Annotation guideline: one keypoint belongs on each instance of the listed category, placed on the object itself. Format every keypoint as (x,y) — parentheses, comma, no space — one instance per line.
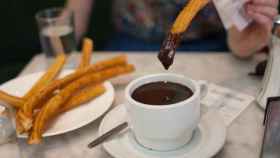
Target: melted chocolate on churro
(168,48)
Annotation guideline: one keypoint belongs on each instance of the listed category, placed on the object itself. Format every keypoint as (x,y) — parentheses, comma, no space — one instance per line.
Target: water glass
(56,30)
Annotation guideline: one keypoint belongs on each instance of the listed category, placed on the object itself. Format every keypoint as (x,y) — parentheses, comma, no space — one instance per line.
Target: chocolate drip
(168,49)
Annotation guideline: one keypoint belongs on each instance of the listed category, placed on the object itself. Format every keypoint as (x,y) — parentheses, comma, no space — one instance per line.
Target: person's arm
(82,10)
(245,43)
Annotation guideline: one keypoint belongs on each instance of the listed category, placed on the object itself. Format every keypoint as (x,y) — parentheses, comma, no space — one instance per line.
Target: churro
(49,76)
(37,99)
(181,24)
(51,73)
(88,93)
(52,107)
(86,53)
(11,100)
(185,17)
(19,127)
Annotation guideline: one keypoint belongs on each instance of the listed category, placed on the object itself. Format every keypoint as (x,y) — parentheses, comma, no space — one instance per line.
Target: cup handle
(203,88)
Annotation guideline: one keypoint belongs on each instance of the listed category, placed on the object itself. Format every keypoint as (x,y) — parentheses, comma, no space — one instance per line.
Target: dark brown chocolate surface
(161,93)
(168,49)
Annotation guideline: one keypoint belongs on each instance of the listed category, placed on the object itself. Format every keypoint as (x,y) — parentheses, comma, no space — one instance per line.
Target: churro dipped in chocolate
(181,24)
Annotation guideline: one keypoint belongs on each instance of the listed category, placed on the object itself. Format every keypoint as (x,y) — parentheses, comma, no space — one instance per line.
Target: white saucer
(207,140)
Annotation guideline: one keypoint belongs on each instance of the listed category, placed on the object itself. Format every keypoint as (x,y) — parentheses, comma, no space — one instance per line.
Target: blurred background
(123,25)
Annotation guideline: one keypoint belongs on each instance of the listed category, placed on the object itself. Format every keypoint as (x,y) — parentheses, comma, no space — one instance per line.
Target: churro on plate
(51,96)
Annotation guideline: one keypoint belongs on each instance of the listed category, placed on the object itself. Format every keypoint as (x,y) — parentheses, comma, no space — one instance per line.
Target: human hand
(263,12)
(257,35)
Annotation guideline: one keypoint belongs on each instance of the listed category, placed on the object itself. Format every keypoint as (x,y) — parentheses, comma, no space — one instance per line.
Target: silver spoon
(107,135)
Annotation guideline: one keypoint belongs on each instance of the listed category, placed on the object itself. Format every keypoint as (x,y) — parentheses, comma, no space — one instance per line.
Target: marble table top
(244,135)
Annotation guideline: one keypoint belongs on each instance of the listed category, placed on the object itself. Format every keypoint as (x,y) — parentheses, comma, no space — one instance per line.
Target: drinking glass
(56,30)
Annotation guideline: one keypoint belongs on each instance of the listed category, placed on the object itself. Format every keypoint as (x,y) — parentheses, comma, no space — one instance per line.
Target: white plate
(73,119)
(207,140)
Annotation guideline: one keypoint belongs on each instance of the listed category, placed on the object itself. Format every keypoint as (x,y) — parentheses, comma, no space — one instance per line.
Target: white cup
(166,127)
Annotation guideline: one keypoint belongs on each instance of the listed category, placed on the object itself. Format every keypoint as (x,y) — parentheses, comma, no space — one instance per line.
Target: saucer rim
(200,126)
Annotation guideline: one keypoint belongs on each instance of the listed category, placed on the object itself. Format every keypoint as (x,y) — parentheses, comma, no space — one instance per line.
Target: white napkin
(232,13)
(229,103)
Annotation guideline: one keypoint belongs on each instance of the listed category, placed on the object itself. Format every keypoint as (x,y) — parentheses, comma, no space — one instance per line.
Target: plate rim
(86,122)
(64,72)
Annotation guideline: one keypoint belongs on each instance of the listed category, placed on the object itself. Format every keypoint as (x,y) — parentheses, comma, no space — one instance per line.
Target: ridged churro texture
(37,99)
(51,96)
(84,95)
(52,107)
(86,53)
(186,16)
(14,101)
(48,77)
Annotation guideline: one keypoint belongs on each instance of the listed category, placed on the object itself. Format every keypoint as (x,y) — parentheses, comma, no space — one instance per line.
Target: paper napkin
(232,13)
(229,103)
